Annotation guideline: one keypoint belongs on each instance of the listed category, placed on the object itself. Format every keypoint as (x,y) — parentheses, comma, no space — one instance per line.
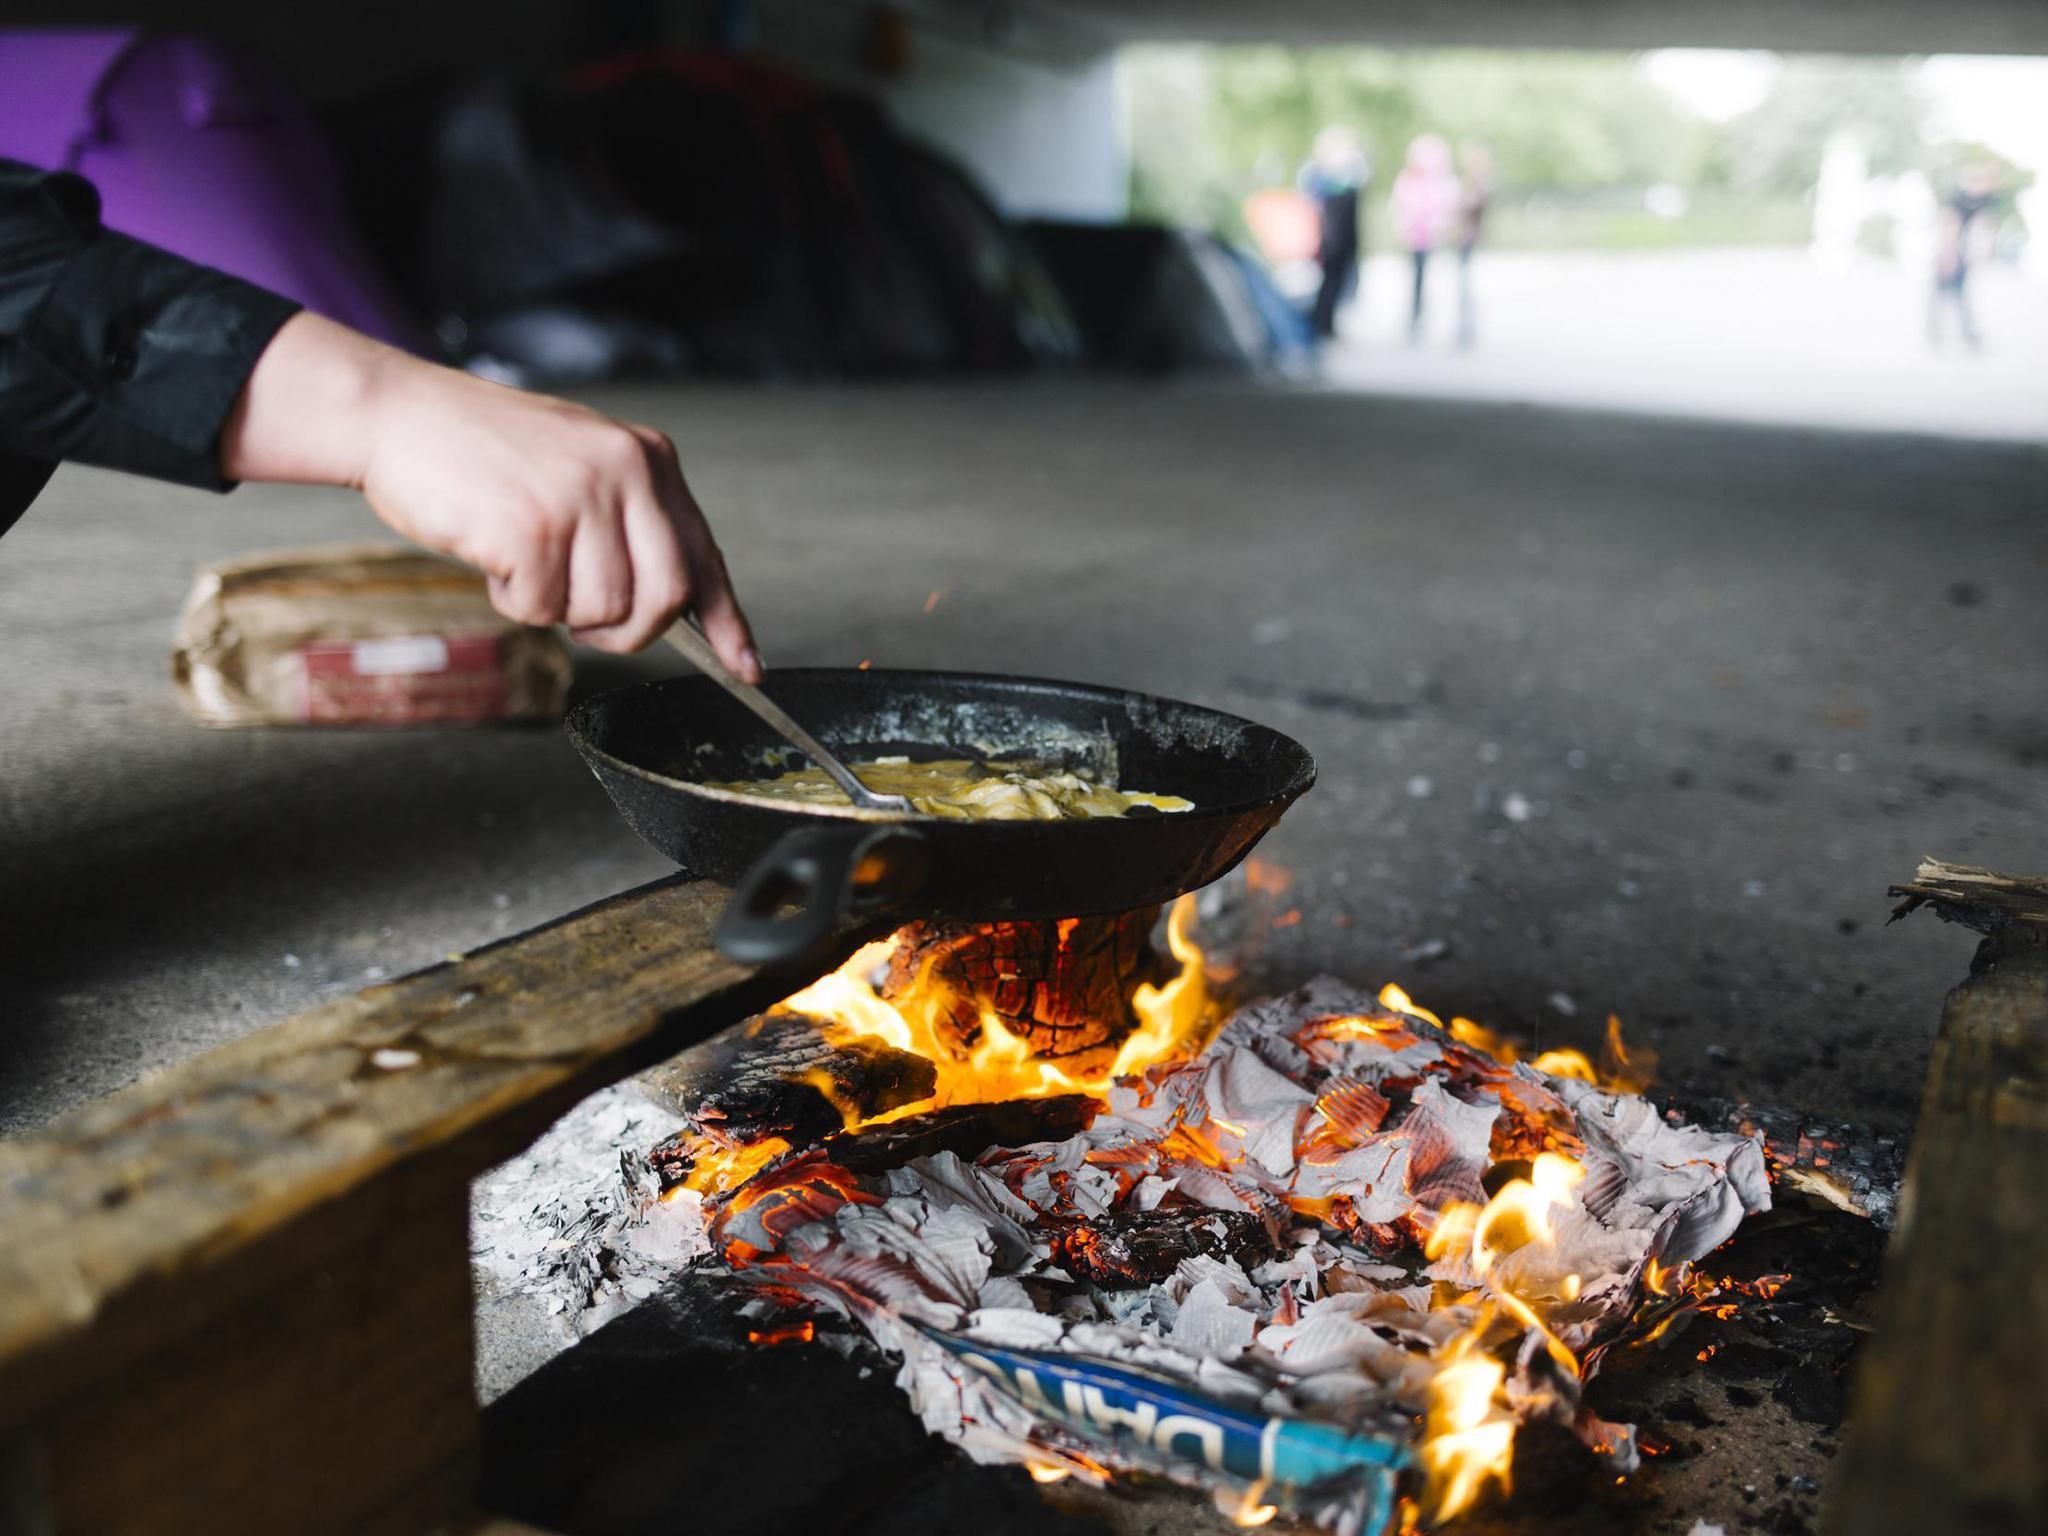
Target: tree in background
(1211,125)
(1578,140)
(1775,148)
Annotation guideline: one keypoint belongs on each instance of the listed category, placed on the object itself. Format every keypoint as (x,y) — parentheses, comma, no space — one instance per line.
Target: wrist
(312,410)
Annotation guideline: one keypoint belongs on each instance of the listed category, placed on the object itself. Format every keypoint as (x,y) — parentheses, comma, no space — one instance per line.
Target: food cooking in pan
(977,791)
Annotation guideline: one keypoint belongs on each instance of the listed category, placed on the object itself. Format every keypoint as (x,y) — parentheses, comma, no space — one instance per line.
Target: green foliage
(1710,219)
(1576,138)
(1776,147)
(1211,125)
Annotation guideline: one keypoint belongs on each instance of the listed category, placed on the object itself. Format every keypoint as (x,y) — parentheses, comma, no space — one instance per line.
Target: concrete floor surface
(1763,335)
(1613,714)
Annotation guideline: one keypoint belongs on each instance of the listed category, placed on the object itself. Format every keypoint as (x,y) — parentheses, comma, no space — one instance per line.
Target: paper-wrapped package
(359,635)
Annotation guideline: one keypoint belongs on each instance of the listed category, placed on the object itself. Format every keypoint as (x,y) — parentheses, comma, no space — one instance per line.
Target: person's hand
(575,518)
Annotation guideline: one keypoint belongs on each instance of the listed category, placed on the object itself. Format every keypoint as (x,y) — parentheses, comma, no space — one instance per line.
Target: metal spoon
(688,639)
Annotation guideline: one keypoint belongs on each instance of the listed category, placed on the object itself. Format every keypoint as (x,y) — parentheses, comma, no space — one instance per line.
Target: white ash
(574,1221)
(1321,1098)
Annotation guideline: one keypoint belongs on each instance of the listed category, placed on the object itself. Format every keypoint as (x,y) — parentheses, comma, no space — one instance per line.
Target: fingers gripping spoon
(688,639)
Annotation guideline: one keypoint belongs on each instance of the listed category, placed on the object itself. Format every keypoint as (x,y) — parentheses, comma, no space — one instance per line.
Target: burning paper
(1328,1265)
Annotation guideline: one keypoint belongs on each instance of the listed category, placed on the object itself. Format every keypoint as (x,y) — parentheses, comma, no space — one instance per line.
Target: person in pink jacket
(1425,205)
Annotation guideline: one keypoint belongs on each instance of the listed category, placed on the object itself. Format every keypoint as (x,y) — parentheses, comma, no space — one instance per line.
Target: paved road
(1627,714)
(1754,335)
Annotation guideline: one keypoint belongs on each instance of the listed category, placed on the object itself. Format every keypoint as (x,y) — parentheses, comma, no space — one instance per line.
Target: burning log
(1061,987)
(969,1016)
(776,1074)
(778,1077)
(966,1130)
(1128,1247)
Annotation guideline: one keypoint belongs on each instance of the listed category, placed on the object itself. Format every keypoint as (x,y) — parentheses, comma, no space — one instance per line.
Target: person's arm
(576,518)
(113,352)
(116,353)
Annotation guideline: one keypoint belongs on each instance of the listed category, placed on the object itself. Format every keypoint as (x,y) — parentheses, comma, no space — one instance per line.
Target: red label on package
(403,680)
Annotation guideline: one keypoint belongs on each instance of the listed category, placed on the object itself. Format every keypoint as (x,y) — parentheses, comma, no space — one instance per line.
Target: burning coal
(1325,1258)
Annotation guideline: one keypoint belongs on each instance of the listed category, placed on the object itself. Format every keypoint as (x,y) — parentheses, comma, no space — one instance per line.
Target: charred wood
(1062,987)
(1127,1248)
(967,1130)
(1835,1161)
(780,1076)
(1977,898)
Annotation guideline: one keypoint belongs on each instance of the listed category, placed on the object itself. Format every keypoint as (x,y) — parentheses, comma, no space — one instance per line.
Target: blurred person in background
(1424,204)
(1475,193)
(1977,190)
(1335,178)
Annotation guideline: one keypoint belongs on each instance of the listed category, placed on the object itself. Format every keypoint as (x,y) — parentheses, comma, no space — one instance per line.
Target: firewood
(1976,897)
(780,1076)
(966,1130)
(237,1296)
(1945,1434)
(1063,987)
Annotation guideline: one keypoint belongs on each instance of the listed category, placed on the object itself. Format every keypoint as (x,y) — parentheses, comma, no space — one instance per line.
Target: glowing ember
(723,1166)
(1249,1508)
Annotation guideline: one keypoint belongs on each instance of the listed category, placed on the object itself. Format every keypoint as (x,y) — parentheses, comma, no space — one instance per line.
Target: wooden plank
(342,1399)
(1974,896)
(260,1256)
(1947,1429)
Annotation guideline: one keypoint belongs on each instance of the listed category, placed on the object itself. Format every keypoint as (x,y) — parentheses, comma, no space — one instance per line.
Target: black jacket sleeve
(113,352)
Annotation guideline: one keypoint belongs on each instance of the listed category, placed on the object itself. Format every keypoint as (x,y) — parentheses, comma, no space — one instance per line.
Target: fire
(1468,1435)
(1468,1439)
(847,1003)
(1249,1509)
(1622,1068)
(1171,1018)
(1173,1021)
(1524,1207)
(722,1166)
(1625,1068)
(1506,1306)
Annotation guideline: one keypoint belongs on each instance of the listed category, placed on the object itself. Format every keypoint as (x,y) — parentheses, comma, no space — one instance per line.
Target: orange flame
(1174,1020)
(1622,1068)
(1249,1509)
(1625,1068)
(1468,1438)
(722,1166)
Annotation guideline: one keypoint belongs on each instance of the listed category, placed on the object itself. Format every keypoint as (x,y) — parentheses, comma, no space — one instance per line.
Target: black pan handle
(830,874)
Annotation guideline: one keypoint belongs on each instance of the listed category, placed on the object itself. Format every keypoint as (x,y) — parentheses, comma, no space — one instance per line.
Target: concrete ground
(1750,335)
(1616,714)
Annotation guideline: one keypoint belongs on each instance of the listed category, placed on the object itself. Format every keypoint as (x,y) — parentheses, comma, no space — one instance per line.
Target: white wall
(1040,139)
(1031,110)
